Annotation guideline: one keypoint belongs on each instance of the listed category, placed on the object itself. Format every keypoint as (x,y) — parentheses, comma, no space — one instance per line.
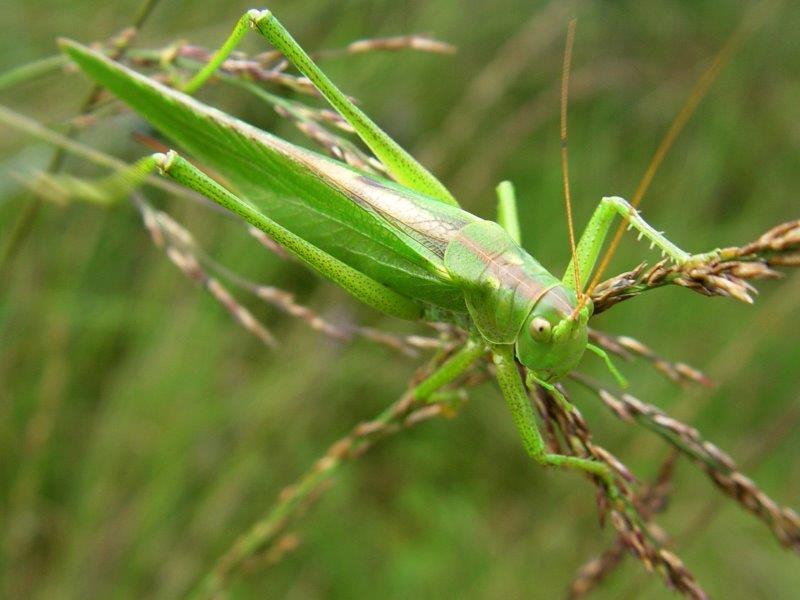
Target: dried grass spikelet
(726,272)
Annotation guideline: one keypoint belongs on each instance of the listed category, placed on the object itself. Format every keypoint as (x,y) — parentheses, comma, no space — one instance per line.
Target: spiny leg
(398,162)
(594,235)
(514,392)
(507,213)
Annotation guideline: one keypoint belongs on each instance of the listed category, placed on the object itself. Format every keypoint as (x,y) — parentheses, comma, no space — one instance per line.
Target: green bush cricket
(406,249)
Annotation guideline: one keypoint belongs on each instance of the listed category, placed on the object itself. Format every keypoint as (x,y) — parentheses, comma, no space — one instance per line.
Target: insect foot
(703,258)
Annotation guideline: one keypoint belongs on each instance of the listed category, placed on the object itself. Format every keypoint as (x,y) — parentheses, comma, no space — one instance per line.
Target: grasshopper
(405,247)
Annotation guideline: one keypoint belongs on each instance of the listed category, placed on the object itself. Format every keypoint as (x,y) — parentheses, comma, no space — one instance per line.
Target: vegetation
(145,434)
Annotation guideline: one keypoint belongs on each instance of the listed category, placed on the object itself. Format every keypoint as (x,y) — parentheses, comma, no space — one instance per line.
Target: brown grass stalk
(628,348)
(629,516)
(651,500)
(726,272)
(718,466)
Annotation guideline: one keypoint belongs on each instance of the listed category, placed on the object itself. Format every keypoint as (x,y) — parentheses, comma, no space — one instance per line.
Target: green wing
(283,181)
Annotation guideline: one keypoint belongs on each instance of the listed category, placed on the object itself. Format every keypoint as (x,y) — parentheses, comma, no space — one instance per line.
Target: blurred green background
(141,430)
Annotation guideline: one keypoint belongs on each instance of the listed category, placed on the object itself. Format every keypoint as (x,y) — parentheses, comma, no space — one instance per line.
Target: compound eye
(540,329)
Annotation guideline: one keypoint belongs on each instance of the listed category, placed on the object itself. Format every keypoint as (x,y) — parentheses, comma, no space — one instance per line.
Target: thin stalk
(31,70)
(27,217)
(405,412)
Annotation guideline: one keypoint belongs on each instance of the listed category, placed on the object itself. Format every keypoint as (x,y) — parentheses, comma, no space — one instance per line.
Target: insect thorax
(501,282)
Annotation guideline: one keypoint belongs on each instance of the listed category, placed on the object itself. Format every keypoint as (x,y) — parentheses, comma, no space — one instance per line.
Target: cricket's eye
(540,329)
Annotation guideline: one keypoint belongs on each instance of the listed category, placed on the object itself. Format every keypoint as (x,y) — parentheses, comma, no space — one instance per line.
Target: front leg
(594,235)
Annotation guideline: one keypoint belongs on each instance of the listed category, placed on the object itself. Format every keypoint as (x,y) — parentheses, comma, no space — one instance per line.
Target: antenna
(564,157)
(750,20)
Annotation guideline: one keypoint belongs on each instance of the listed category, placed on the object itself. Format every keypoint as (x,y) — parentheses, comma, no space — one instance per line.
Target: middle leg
(517,398)
(507,213)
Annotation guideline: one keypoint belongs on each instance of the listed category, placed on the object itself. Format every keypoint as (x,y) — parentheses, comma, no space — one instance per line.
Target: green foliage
(142,432)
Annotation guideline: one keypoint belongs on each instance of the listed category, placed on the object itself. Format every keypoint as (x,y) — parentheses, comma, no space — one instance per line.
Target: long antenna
(564,157)
(736,39)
